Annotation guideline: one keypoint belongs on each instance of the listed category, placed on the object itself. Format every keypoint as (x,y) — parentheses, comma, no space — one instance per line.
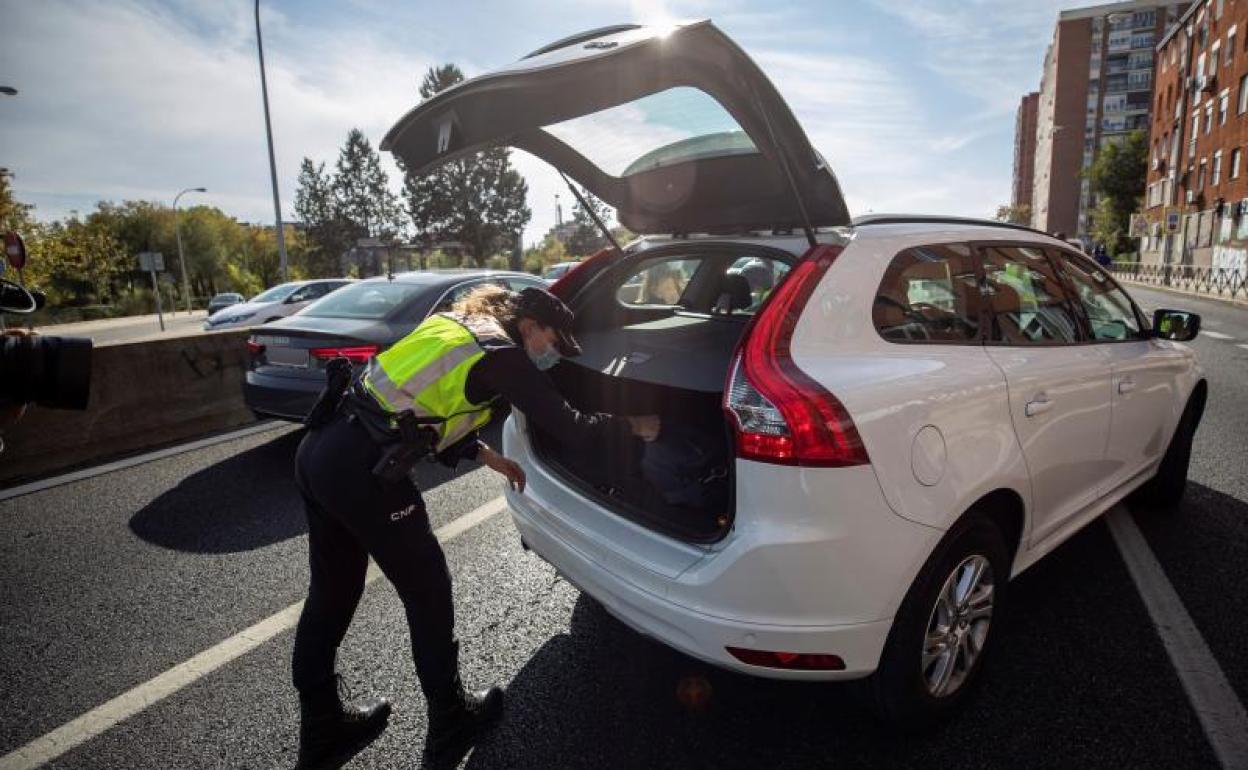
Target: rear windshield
(364,300)
(662,129)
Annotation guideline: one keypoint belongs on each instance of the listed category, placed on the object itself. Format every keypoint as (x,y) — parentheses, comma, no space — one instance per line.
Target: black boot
(329,730)
(457,716)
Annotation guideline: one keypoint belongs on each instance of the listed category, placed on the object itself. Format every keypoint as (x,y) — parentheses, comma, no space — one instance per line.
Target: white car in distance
(281,301)
(869,426)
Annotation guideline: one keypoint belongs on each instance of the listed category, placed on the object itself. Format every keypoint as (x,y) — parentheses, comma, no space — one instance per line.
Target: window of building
(929,294)
(1235,154)
(1223,102)
(1217,169)
(1230,46)
(1191,142)
(1215,55)
(1208,116)
(1200,175)
(1243,94)
(1218,7)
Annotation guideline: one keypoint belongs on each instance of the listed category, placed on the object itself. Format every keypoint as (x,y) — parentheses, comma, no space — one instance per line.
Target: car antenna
(592,214)
(788,173)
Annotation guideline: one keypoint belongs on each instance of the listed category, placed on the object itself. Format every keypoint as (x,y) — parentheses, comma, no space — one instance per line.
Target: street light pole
(268,128)
(177,231)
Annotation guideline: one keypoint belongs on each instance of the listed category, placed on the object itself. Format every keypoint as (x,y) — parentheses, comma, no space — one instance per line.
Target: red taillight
(567,284)
(254,348)
(792,661)
(358,354)
(780,413)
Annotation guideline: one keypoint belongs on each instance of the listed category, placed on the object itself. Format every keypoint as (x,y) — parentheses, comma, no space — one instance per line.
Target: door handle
(1039,405)
(1126,385)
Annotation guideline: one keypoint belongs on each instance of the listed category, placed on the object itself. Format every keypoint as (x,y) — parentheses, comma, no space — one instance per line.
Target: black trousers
(352,515)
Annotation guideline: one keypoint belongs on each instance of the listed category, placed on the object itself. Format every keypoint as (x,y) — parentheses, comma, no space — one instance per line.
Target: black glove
(338,377)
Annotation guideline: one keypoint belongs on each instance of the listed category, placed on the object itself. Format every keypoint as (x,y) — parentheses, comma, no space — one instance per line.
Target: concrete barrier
(143,395)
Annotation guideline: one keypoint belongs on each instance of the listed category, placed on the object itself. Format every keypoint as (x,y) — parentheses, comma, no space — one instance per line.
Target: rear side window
(1111,316)
(929,294)
(716,284)
(658,283)
(1027,302)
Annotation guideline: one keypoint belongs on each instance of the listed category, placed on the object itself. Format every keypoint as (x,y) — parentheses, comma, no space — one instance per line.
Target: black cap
(549,310)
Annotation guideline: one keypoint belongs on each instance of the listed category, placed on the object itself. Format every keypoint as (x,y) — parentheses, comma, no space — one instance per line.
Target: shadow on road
(242,503)
(248,501)
(1059,687)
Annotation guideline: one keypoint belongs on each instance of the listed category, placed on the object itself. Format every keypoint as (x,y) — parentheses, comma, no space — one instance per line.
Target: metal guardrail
(1230,283)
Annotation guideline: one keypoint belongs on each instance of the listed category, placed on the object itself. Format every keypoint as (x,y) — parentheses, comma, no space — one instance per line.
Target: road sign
(1138,227)
(152,261)
(1172,220)
(15,249)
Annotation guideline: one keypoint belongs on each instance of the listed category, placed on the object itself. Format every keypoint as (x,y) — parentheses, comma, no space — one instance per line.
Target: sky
(911,101)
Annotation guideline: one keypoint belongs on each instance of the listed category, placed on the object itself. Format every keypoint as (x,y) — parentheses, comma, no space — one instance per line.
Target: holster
(404,438)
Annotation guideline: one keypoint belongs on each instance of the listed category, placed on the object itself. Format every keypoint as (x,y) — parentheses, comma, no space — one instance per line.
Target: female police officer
(438,384)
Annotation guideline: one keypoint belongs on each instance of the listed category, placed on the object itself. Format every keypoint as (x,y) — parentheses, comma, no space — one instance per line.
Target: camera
(53,372)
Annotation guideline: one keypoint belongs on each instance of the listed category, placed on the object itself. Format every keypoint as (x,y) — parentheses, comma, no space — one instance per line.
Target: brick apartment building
(1025,150)
(1196,201)
(1096,89)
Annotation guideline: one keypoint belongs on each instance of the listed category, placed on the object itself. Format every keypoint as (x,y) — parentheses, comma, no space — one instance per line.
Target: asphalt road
(131,329)
(110,581)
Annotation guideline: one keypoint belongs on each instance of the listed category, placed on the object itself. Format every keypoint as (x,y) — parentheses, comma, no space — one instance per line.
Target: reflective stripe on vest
(426,372)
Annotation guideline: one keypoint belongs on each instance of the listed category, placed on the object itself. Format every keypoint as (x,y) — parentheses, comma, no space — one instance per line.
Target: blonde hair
(493,301)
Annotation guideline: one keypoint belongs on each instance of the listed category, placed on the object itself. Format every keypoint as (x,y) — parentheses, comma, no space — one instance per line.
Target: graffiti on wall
(1230,257)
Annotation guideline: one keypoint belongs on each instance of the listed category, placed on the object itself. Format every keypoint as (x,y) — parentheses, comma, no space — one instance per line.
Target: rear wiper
(592,214)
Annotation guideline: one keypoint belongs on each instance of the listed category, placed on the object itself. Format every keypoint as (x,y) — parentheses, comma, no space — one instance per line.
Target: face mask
(545,360)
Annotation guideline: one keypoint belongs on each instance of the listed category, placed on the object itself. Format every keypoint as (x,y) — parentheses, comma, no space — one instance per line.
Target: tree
(587,237)
(14,215)
(361,189)
(328,233)
(1117,178)
(478,200)
(1018,215)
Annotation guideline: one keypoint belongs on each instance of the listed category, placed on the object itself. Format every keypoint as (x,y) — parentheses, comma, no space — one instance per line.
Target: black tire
(898,692)
(1164,491)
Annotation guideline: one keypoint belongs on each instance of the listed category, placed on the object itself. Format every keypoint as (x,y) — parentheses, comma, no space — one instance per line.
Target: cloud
(131,99)
(141,98)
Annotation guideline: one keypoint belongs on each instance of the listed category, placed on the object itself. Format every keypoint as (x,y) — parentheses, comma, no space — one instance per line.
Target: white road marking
(1215,335)
(130,462)
(102,718)
(1221,714)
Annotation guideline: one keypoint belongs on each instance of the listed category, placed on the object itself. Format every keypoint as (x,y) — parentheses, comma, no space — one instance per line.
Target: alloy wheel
(958,626)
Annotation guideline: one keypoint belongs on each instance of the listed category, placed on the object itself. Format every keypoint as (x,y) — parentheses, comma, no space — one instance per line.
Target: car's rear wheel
(944,628)
(1165,489)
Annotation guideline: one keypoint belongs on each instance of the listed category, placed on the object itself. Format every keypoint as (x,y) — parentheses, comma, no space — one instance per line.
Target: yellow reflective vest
(427,370)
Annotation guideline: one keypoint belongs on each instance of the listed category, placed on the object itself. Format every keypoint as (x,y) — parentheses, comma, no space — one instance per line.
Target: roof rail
(936,219)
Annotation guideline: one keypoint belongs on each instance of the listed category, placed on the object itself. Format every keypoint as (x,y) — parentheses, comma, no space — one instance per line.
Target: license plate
(266,340)
(287,357)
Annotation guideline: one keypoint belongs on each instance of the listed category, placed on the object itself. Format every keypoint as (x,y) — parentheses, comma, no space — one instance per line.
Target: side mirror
(1177,325)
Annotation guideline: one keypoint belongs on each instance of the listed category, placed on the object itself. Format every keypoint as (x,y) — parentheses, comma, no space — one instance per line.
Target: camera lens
(50,371)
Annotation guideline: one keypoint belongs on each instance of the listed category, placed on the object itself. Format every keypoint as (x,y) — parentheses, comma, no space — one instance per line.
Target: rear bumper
(288,398)
(816,563)
(696,634)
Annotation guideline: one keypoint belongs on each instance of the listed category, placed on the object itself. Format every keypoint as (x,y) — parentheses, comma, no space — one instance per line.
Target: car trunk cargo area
(680,484)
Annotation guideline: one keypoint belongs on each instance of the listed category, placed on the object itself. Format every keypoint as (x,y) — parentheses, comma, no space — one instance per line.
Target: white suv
(868,428)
